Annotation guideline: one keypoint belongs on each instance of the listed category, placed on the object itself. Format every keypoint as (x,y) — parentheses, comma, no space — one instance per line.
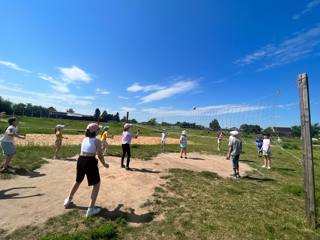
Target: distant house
(282,131)
(51,109)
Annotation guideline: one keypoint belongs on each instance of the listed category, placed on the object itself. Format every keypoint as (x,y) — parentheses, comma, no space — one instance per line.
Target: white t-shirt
(266,145)
(163,136)
(6,137)
(230,140)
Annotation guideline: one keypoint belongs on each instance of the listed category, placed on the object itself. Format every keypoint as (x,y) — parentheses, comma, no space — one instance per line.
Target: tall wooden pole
(309,184)
(127,117)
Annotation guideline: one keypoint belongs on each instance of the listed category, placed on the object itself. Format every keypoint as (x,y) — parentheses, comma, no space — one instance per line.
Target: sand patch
(31,200)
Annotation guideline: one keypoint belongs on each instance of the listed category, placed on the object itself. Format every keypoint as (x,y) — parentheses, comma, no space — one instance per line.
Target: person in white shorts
(7,142)
(266,149)
(163,138)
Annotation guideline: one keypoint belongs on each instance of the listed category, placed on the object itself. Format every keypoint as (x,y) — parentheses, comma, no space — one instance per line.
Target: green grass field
(263,205)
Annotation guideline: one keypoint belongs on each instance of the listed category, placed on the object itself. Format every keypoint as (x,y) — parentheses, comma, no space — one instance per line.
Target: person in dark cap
(7,142)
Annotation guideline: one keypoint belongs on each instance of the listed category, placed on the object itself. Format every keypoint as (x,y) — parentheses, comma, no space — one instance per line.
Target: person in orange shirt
(104,136)
(58,143)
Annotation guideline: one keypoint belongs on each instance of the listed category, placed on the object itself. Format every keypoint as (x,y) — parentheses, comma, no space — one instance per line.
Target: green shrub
(292,146)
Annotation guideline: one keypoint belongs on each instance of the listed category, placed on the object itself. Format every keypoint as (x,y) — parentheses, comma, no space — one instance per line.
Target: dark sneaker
(238,175)
(122,166)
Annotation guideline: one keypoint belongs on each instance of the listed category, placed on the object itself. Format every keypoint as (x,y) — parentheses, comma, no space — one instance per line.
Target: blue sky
(234,60)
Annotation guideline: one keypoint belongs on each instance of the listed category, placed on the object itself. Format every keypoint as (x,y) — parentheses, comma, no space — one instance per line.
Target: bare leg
(219,145)
(7,161)
(181,152)
(94,195)
(269,162)
(74,189)
(57,152)
(265,161)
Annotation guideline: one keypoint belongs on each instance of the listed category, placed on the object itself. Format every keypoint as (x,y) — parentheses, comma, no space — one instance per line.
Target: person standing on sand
(87,164)
(219,139)
(58,143)
(235,148)
(126,142)
(266,148)
(183,144)
(163,139)
(103,139)
(7,142)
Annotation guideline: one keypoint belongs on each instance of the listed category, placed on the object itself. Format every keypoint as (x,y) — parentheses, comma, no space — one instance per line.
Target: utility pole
(127,117)
(309,184)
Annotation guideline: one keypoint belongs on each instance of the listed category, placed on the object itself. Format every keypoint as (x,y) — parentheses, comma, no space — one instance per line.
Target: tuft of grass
(296,190)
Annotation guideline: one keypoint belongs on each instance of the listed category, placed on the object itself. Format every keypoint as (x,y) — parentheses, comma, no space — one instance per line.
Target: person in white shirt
(87,165)
(266,149)
(163,139)
(7,142)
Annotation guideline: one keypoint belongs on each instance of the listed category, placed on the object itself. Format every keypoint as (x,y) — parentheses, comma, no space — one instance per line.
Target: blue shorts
(267,153)
(235,161)
(183,146)
(8,148)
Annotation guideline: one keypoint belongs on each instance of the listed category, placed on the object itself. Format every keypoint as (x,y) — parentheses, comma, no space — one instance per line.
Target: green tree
(214,125)
(97,113)
(70,110)
(152,122)
(296,131)
(104,116)
(116,117)
(250,129)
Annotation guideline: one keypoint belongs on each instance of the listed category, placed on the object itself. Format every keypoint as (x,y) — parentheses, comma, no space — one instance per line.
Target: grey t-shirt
(236,146)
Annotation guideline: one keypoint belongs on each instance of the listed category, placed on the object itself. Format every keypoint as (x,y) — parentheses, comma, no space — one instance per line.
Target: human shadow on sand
(259,179)
(24,172)
(129,215)
(195,158)
(4,193)
(143,170)
(248,161)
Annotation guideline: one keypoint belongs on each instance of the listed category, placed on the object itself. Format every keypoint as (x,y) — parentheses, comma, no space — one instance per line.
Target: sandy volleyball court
(49,139)
(31,200)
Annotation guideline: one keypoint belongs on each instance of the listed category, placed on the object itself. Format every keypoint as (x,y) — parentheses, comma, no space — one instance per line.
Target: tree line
(39,111)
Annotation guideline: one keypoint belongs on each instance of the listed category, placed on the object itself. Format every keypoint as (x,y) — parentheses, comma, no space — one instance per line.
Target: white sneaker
(268,167)
(67,202)
(263,166)
(92,211)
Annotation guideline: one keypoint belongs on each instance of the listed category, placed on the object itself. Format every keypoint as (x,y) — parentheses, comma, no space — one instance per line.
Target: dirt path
(49,139)
(31,200)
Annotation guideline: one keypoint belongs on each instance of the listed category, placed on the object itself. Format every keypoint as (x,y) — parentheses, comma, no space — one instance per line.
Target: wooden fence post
(309,184)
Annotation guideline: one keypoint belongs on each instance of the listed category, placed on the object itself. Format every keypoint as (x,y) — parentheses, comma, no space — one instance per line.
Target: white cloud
(128,109)
(68,76)
(122,97)
(213,110)
(102,91)
(136,87)
(57,85)
(310,6)
(301,45)
(73,74)
(14,66)
(177,88)
(63,101)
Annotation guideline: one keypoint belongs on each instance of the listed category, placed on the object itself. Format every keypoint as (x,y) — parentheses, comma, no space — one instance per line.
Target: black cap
(11,120)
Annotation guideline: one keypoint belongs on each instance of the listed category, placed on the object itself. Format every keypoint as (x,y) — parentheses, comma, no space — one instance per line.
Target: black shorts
(88,166)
